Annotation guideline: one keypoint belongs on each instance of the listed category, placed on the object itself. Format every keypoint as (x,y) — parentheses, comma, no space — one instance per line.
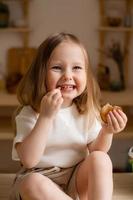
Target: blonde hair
(32,87)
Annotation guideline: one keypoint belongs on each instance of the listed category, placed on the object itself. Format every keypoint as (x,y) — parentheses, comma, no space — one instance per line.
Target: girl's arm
(102,142)
(32,147)
(116,122)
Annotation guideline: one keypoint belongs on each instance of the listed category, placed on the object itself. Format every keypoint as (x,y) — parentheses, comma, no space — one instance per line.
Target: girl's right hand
(51,103)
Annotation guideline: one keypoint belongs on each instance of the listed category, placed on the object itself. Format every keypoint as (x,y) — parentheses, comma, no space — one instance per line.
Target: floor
(5,185)
(123,186)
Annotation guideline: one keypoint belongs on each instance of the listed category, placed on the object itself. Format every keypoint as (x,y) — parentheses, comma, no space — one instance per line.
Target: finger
(60,101)
(123,115)
(52,92)
(57,104)
(114,121)
(59,88)
(109,121)
(119,118)
(56,95)
(109,125)
(57,100)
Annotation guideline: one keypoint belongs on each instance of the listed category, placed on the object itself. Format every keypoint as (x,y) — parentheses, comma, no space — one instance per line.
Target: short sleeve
(25,122)
(94,131)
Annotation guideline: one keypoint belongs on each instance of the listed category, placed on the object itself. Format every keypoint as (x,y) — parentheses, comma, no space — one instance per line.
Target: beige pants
(64,178)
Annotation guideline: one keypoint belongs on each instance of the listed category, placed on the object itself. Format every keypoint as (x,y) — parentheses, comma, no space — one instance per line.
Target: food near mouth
(106,109)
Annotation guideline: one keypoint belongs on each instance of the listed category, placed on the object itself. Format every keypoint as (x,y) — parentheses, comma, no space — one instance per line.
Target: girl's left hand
(116,121)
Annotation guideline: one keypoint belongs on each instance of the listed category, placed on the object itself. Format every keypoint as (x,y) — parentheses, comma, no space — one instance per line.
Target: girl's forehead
(67,44)
(68,48)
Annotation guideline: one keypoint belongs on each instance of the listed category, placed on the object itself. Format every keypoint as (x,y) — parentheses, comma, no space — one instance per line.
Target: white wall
(45,17)
(80,17)
(77,16)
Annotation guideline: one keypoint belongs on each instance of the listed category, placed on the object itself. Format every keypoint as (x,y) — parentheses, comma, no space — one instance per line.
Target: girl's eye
(56,68)
(77,68)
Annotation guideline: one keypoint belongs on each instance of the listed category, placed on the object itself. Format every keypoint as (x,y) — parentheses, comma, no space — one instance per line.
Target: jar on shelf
(128,20)
(113,14)
(130,159)
(2,80)
(4,15)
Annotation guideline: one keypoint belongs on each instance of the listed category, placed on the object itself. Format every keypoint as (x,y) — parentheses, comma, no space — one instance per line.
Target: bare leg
(94,177)
(38,187)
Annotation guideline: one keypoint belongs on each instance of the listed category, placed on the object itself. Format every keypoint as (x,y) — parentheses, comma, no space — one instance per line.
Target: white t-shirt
(67,141)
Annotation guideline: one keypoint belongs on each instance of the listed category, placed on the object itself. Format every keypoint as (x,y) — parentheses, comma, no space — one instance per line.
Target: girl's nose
(67,76)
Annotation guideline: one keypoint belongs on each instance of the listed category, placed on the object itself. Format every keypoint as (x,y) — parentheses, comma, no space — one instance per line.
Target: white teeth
(67,87)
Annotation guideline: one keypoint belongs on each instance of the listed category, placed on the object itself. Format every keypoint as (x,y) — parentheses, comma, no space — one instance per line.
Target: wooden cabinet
(116,23)
(8,102)
(116,28)
(21,25)
(116,19)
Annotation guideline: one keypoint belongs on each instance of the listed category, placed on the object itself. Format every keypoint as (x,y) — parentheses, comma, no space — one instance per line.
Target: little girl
(60,140)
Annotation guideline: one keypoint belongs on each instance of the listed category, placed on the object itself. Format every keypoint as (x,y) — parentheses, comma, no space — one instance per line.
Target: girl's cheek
(50,87)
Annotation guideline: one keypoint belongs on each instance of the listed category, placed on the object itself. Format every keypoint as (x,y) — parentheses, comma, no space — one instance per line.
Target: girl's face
(66,70)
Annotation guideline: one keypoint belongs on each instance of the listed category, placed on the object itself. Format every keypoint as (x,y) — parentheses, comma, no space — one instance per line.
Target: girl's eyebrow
(51,63)
(78,63)
(55,62)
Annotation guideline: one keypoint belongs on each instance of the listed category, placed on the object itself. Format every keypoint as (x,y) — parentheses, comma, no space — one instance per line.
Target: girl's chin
(69,97)
(67,100)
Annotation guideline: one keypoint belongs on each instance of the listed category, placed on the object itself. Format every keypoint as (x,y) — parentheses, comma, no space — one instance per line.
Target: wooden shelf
(15,0)
(13,29)
(115,29)
(7,99)
(6,129)
(6,136)
(122,98)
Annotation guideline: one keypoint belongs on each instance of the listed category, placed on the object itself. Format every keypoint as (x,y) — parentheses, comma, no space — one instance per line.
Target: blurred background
(105,28)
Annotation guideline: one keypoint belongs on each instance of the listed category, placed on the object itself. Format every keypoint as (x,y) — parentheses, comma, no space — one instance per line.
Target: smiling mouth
(67,87)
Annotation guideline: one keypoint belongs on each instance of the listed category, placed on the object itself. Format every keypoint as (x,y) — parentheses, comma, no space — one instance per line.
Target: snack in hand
(106,109)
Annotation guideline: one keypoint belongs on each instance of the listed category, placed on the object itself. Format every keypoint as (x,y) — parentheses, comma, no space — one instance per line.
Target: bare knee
(100,160)
(32,185)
